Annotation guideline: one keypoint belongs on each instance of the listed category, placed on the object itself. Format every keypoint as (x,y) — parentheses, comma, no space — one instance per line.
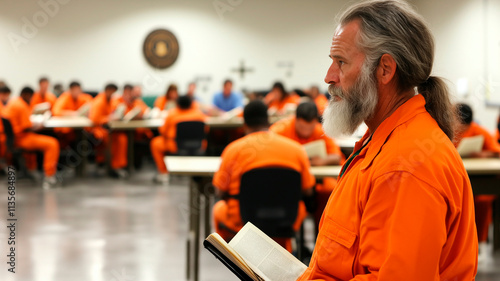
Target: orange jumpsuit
(402,210)
(38,99)
(483,203)
(18,112)
(99,115)
(168,132)
(321,103)
(161,102)
(279,105)
(286,127)
(256,150)
(119,139)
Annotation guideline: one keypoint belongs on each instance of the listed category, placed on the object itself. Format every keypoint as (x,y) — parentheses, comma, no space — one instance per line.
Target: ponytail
(438,104)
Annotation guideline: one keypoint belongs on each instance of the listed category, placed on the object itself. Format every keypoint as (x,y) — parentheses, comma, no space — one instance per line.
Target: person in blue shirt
(228,100)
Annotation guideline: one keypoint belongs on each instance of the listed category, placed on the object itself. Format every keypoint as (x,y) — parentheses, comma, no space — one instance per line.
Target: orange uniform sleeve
(59,105)
(402,235)
(98,113)
(333,148)
(490,143)
(222,178)
(160,102)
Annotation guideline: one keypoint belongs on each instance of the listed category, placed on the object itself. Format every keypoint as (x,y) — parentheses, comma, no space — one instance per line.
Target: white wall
(97,41)
(467,38)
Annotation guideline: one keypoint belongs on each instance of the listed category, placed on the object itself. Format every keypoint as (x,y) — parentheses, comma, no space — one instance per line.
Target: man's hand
(317,161)
(484,154)
(36,127)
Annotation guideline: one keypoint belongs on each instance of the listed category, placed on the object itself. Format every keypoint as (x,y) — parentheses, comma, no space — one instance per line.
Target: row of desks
(484,175)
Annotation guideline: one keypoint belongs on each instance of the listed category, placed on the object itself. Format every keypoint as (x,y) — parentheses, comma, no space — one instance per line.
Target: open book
(41,108)
(315,148)
(252,255)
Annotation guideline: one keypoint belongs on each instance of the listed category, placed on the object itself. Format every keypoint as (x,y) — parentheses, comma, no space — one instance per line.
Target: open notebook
(470,145)
(252,256)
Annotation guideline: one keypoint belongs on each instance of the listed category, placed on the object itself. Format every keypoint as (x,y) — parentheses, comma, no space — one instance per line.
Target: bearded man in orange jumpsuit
(18,112)
(403,208)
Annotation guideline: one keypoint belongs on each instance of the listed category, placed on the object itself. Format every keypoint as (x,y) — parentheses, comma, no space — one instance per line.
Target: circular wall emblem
(161,48)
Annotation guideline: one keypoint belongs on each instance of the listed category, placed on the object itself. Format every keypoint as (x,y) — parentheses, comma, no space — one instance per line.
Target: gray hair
(393,27)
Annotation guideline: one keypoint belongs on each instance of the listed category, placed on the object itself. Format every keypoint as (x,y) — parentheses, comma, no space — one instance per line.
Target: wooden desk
(134,124)
(483,173)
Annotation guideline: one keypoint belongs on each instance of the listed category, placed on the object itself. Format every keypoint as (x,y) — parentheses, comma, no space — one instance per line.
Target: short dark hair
(255,114)
(27,90)
(5,90)
(74,84)
(281,88)
(43,79)
(465,114)
(111,86)
(128,87)
(227,81)
(307,111)
(184,102)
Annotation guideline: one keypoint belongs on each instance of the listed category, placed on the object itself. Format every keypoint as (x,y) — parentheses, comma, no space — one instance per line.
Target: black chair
(190,138)
(269,198)
(15,152)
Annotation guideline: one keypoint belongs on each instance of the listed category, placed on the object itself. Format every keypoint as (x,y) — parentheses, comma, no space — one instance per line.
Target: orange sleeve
(405,230)
(98,114)
(490,144)
(163,129)
(160,103)
(333,148)
(222,178)
(59,105)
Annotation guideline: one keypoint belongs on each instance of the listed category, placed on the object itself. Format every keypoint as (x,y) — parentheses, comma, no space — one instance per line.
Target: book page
(217,241)
(266,257)
(316,148)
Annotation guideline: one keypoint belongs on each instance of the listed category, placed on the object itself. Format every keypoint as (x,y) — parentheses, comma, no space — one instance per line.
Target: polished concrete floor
(109,230)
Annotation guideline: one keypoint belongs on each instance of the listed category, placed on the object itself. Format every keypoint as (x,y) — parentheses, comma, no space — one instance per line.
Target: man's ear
(386,69)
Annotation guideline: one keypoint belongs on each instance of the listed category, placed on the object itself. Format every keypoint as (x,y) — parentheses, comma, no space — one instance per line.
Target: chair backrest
(190,137)
(269,198)
(9,134)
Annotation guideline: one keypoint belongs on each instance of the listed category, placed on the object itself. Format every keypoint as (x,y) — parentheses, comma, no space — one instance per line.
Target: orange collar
(404,113)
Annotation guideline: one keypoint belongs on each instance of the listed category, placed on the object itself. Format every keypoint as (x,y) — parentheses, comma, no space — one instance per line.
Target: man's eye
(341,62)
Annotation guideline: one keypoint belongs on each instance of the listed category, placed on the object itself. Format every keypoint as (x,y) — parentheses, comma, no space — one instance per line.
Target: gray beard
(356,105)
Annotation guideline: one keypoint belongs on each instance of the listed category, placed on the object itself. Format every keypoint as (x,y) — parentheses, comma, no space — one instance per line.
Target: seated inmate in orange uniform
(491,149)
(129,100)
(318,98)
(68,104)
(259,148)
(168,100)
(43,95)
(278,98)
(403,207)
(18,112)
(165,143)
(99,114)
(305,128)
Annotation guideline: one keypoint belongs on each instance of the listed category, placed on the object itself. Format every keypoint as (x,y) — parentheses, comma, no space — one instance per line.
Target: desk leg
(193,244)
(82,151)
(496,225)
(130,150)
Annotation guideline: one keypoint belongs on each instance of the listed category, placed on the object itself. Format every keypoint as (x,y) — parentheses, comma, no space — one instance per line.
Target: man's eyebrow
(339,57)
